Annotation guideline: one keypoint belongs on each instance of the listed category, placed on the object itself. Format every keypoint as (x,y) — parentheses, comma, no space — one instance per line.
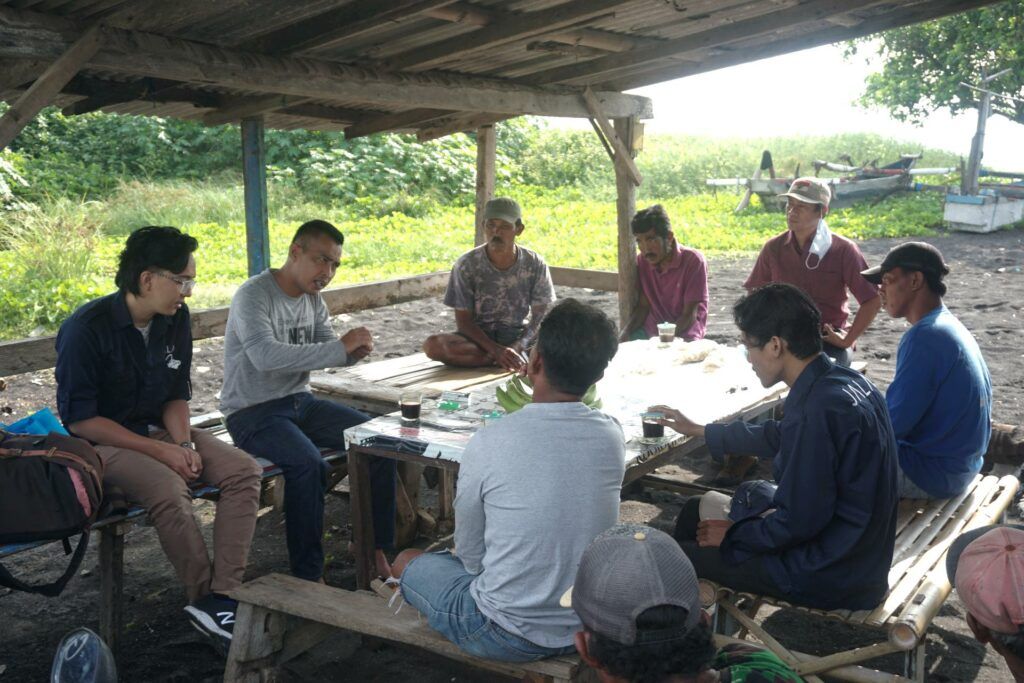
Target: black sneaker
(214,616)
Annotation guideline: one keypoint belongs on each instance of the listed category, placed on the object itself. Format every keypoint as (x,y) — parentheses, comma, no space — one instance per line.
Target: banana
(517,382)
(525,379)
(505,401)
(590,395)
(596,405)
(517,394)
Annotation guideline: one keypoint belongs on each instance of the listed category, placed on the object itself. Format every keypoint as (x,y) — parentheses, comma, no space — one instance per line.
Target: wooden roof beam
(458,123)
(740,55)
(519,26)
(370,125)
(100,93)
(344,23)
(239,108)
(150,55)
(464,13)
(48,86)
(596,70)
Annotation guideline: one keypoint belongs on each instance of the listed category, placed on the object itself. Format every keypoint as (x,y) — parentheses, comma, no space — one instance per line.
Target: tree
(924,65)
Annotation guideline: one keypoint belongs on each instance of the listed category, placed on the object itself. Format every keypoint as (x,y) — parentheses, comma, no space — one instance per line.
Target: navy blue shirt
(105,369)
(829,541)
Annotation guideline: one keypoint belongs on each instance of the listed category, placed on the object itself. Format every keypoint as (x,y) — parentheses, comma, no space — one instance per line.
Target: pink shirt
(684,281)
(782,260)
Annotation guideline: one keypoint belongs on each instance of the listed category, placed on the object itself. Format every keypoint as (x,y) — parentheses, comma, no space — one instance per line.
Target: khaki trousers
(168,502)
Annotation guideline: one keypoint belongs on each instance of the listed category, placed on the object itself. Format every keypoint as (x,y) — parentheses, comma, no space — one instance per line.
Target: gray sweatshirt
(534,490)
(271,343)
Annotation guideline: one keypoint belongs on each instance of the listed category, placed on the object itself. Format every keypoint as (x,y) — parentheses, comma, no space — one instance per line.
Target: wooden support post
(362,516)
(112,585)
(258,636)
(48,86)
(408,499)
(254,178)
(625,208)
(486,151)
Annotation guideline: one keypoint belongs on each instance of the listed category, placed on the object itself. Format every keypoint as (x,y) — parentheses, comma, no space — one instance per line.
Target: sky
(758,99)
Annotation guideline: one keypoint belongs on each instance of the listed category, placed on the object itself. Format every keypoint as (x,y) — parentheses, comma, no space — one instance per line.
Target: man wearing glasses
(123,365)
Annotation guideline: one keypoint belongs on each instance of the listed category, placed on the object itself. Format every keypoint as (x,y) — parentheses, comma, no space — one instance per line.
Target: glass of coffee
(410,402)
(666,332)
(653,431)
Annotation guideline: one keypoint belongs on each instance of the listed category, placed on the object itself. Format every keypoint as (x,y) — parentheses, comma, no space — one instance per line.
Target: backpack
(51,487)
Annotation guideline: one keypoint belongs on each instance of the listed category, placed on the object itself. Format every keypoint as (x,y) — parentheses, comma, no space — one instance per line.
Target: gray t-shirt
(271,343)
(500,300)
(534,490)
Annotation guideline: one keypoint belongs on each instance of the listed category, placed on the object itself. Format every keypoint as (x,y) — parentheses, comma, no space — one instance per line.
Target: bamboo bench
(112,529)
(918,587)
(279,617)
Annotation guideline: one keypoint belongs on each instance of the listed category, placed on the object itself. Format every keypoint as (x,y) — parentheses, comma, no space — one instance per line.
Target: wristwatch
(191,445)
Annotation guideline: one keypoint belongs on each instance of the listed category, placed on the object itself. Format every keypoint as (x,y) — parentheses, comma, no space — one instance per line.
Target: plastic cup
(666,332)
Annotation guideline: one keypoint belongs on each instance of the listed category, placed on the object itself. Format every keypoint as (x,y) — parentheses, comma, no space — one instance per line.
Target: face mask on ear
(820,245)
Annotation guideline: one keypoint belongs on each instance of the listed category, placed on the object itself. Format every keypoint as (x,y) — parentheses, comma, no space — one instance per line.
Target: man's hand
(834,337)
(508,358)
(358,343)
(711,532)
(677,421)
(184,461)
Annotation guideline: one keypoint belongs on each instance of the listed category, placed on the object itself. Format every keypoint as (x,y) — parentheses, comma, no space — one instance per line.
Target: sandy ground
(986,291)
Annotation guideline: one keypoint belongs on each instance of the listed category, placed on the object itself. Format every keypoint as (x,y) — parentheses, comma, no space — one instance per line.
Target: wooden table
(642,373)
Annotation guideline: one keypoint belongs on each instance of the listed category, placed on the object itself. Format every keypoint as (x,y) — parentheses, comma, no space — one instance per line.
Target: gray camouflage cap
(626,571)
(504,209)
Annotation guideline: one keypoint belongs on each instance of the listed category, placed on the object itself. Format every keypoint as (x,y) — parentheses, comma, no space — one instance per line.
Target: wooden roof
(430,66)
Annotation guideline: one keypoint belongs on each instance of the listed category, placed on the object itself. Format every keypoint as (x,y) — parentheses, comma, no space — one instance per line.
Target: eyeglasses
(185,284)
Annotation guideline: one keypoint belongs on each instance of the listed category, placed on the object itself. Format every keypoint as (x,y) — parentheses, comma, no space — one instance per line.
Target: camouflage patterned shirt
(500,300)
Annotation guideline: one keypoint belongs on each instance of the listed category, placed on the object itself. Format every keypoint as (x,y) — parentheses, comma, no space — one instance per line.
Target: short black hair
(317,227)
(652,218)
(576,341)
(658,661)
(784,311)
(152,246)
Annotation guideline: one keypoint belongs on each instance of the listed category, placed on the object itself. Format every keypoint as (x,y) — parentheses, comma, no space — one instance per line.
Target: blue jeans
(289,432)
(437,585)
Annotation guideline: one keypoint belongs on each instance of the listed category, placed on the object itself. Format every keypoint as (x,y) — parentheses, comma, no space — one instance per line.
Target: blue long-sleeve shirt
(940,403)
(829,541)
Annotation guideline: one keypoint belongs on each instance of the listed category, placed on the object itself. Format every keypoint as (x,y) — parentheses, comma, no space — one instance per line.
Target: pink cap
(990,579)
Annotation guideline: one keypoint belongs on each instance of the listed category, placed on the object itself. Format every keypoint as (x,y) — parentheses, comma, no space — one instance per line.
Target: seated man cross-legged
(278,330)
(123,364)
(638,598)
(673,281)
(534,489)
(499,291)
(826,538)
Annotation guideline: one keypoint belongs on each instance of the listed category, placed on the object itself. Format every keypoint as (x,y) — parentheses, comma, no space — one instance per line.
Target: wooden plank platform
(375,387)
(265,637)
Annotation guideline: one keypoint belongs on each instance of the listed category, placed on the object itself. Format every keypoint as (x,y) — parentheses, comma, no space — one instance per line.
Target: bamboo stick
(821,665)
(906,585)
(917,616)
(762,635)
(951,507)
(849,672)
(910,535)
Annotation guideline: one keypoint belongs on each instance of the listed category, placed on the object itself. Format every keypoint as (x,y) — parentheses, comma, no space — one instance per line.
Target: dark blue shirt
(829,541)
(104,369)
(940,402)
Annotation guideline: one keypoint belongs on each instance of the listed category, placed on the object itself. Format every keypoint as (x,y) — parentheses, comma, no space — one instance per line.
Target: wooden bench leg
(446,500)
(112,585)
(362,517)
(257,637)
(913,662)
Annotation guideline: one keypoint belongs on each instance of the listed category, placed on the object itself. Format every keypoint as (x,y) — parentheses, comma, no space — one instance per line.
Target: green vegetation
(71,189)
